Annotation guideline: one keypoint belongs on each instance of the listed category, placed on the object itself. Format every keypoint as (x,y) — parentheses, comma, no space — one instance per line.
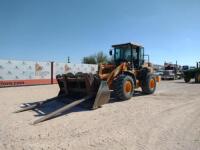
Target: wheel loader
(192,74)
(127,72)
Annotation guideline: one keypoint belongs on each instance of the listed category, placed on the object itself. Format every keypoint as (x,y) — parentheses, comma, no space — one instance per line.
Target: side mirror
(110,52)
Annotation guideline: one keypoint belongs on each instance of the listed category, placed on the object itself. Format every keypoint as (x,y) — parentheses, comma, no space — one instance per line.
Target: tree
(100,57)
(89,60)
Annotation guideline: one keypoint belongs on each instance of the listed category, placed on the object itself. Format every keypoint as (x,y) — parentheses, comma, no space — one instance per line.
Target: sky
(55,29)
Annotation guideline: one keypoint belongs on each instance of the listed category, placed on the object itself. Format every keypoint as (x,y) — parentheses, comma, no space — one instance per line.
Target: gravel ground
(166,120)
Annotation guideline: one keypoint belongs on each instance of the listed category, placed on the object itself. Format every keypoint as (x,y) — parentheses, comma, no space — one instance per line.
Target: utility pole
(68,59)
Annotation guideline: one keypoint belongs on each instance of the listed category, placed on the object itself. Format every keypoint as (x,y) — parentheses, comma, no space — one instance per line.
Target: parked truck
(171,72)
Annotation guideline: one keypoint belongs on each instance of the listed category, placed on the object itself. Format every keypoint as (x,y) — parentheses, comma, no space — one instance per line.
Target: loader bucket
(102,96)
(82,85)
(86,90)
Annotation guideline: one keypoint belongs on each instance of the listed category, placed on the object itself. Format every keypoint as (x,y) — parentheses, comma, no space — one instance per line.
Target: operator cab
(131,53)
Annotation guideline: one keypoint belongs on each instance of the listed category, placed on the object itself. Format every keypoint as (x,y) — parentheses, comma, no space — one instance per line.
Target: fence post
(52,63)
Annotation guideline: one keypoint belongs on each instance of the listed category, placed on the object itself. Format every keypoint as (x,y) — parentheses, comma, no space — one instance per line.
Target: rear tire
(197,78)
(149,84)
(186,79)
(124,87)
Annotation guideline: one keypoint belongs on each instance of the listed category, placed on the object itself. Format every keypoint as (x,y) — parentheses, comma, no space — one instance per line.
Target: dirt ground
(166,120)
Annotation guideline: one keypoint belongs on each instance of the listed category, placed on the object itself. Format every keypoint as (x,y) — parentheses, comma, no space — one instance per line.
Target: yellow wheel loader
(127,73)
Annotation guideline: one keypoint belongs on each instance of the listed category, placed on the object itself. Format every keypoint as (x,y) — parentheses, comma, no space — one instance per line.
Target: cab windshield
(124,54)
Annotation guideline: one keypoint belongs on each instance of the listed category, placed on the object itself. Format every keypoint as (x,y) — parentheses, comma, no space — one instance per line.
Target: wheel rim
(152,84)
(128,87)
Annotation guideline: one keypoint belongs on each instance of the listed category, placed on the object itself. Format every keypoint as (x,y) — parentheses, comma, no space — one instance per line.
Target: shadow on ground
(183,82)
(59,103)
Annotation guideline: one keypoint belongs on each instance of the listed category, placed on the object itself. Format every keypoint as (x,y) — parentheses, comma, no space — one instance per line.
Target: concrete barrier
(19,72)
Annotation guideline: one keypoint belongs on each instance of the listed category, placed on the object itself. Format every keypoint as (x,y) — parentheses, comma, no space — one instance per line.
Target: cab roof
(134,44)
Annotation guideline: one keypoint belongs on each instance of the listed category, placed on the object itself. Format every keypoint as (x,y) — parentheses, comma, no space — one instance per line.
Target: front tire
(149,84)
(124,87)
